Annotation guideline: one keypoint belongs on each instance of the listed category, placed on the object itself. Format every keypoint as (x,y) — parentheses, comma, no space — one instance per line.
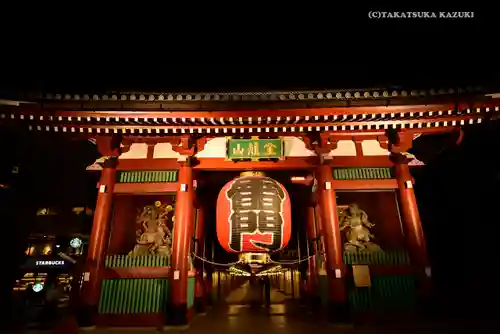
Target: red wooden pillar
(98,240)
(414,234)
(199,294)
(336,270)
(312,279)
(121,218)
(182,233)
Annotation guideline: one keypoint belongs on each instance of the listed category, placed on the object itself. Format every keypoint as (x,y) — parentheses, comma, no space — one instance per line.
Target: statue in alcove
(354,223)
(153,235)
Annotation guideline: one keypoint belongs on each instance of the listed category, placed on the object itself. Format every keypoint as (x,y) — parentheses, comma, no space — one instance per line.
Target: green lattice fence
(190,294)
(128,296)
(375,173)
(394,257)
(386,292)
(125,261)
(147,176)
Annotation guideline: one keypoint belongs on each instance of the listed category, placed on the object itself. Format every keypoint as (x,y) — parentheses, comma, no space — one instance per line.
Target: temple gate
(348,153)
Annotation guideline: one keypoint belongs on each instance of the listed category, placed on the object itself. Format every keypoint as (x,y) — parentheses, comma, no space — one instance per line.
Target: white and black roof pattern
(355,94)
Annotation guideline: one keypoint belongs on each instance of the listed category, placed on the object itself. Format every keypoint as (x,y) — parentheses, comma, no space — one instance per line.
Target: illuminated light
(75,242)
(46,250)
(37,287)
(30,250)
(255,238)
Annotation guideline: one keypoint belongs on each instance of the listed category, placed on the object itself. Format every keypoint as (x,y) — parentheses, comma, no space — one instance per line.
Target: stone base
(315,300)
(178,315)
(210,300)
(427,308)
(338,312)
(200,305)
(136,320)
(86,316)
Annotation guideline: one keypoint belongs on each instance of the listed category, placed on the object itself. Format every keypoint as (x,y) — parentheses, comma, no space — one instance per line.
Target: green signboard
(254,149)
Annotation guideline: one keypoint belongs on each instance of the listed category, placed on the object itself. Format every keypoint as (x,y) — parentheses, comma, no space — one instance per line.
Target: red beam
(147,164)
(27,110)
(389,270)
(136,272)
(139,272)
(143,188)
(223,164)
(263,112)
(289,163)
(153,320)
(364,184)
(362,161)
(196,127)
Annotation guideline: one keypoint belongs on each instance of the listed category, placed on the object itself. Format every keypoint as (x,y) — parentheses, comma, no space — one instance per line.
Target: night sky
(334,48)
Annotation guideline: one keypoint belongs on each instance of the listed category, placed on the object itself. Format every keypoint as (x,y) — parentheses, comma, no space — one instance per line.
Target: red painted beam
(290,163)
(153,320)
(143,188)
(251,112)
(136,272)
(187,127)
(362,161)
(147,164)
(139,272)
(364,184)
(298,163)
(388,270)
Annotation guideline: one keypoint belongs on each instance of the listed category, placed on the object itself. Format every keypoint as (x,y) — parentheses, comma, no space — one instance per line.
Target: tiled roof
(315,95)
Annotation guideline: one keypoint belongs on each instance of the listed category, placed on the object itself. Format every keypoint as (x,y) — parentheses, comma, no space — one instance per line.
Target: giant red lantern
(253,215)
